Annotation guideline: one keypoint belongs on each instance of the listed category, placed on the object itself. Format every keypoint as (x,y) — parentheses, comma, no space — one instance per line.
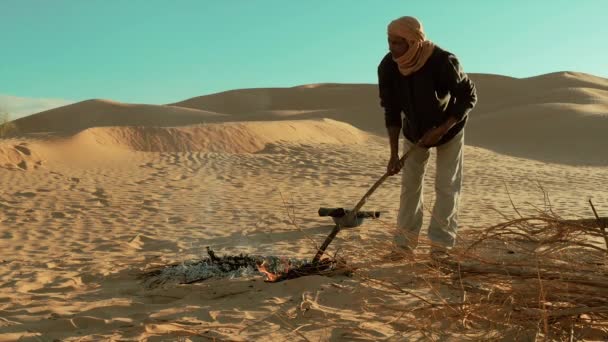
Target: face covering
(419,49)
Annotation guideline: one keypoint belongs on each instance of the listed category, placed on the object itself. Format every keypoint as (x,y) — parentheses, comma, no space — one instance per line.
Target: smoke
(19,107)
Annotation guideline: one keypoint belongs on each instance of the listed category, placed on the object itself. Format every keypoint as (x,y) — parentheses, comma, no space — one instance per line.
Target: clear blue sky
(161,51)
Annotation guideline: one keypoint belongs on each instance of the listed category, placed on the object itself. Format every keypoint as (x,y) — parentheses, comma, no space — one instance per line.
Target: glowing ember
(270,276)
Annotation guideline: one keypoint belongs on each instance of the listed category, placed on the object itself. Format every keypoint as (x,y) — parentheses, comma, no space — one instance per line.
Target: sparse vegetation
(7,127)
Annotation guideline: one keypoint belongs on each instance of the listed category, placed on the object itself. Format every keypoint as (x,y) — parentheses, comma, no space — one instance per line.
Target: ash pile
(273,268)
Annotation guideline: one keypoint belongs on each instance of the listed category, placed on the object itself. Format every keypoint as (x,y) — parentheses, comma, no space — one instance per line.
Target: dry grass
(529,278)
(7,127)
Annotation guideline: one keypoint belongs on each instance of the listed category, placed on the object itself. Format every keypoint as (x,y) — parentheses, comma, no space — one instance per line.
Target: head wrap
(419,49)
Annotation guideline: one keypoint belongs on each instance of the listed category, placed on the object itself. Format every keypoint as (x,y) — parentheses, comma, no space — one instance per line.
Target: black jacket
(427,97)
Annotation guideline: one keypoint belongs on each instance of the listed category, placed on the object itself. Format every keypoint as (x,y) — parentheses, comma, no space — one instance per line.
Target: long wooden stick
(378,183)
(326,243)
(602,225)
(353,213)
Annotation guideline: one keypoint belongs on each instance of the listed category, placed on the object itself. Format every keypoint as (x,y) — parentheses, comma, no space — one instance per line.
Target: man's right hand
(394,166)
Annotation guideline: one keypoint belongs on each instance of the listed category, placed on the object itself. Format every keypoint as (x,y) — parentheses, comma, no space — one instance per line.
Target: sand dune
(501,93)
(113,143)
(559,117)
(356,104)
(95,113)
(306,97)
(525,117)
(245,137)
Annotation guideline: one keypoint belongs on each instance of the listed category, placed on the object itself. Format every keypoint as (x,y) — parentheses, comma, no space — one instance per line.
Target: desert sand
(95,192)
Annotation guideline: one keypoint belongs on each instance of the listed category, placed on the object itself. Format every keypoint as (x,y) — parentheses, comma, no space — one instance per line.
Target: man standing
(428,85)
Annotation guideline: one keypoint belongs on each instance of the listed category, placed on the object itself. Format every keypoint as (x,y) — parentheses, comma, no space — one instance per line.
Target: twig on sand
(393,286)
(601,224)
(289,325)
(511,200)
(292,218)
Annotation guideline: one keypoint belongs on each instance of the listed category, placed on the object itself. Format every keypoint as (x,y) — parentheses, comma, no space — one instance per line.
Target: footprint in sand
(179,177)
(149,202)
(150,205)
(100,201)
(5,205)
(58,214)
(23,149)
(11,214)
(22,165)
(28,194)
(147,165)
(26,152)
(100,197)
(74,212)
(74,181)
(267,220)
(100,192)
(175,219)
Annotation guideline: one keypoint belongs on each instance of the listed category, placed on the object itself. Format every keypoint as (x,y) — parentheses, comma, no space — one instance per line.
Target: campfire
(274,269)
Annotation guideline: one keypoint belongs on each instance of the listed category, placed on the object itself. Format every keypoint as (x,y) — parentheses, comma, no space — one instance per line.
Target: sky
(158,51)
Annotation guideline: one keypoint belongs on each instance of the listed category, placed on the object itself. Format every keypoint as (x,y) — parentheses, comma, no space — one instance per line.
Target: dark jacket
(427,97)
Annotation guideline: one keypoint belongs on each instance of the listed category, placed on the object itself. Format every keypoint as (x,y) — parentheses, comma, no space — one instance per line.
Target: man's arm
(463,97)
(392,115)
(462,91)
(393,136)
(392,109)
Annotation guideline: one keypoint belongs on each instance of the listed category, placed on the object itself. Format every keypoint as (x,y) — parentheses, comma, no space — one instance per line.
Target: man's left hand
(432,136)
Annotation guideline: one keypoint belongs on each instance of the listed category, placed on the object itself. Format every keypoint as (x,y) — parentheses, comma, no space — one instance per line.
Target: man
(428,85)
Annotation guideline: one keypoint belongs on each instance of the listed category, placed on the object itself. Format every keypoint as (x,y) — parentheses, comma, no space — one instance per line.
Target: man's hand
(432,136)
(394,166)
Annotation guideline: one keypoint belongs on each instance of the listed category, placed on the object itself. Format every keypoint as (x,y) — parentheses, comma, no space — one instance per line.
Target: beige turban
(419,49)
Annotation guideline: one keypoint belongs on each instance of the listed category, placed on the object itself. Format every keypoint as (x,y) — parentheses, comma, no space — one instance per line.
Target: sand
(97,191)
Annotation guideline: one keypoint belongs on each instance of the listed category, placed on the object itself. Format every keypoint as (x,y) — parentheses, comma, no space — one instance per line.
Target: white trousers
(448,182)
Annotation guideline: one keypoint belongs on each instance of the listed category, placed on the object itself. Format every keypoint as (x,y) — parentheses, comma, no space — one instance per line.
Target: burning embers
(273,268)
(323,267)
(270,276)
